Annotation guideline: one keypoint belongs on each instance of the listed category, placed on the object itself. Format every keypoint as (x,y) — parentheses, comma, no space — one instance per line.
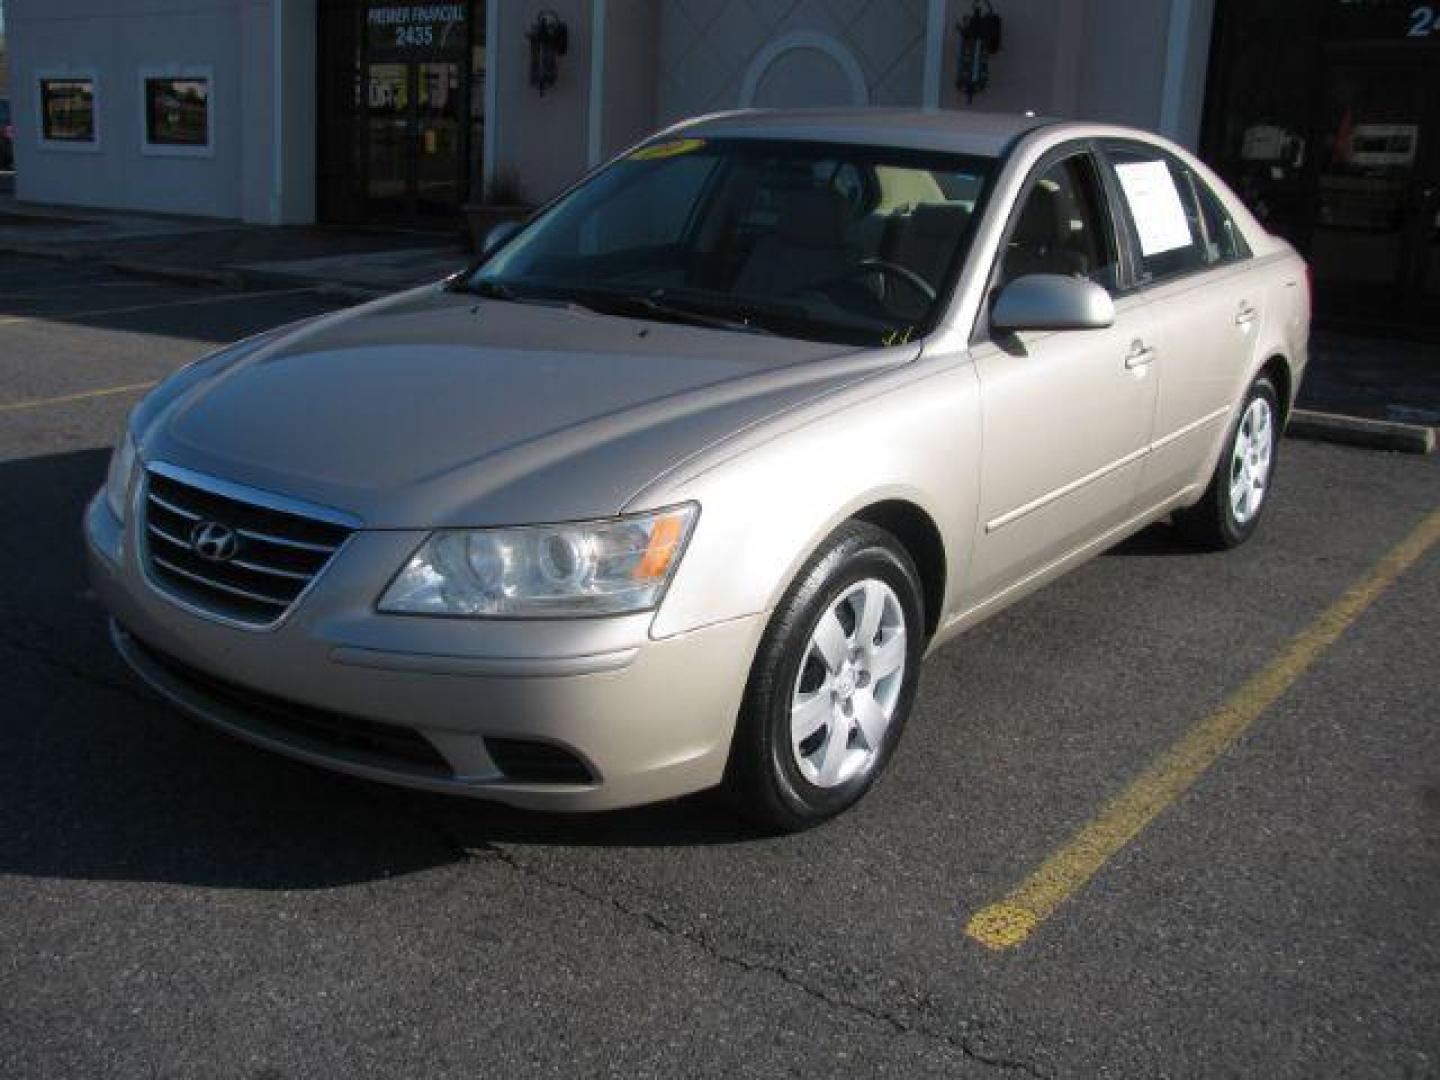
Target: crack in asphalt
(658,924)
(65,666)
(668,929)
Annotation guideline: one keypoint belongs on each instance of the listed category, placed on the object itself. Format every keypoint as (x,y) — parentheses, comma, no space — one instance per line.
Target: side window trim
(1052,157)
(1132,270)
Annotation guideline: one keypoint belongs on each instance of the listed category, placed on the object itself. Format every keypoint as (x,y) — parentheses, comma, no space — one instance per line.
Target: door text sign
(416,27)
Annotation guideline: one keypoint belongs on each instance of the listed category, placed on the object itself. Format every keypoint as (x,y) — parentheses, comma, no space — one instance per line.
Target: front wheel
(1227,514)
(832,683)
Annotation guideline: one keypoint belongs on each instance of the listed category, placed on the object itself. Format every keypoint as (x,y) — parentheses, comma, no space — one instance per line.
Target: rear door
(1192,267)
(1066,414)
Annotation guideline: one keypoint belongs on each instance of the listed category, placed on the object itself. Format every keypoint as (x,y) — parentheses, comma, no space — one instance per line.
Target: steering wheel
(887,269)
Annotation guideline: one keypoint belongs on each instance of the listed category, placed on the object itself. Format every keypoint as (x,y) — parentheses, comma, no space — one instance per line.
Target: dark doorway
(401,110)
(1374,241)
(1325,116)
(414,128)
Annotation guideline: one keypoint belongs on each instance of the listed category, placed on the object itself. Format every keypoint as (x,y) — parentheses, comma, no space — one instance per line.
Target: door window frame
(1124,275)
(1139,279)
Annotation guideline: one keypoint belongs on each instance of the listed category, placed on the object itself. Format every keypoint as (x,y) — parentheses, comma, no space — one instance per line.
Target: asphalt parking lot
(176,904)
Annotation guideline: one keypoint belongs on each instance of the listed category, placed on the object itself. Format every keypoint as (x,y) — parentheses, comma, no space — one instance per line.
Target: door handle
(1244,314)
(1139,356)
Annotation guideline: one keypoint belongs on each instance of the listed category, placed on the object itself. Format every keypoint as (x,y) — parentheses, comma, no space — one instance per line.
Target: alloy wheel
(1250,460)
(849,683)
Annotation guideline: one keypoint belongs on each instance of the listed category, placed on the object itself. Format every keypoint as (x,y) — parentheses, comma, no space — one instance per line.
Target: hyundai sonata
(678,484)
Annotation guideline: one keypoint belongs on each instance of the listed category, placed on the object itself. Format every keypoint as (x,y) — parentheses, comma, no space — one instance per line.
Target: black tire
(763,779)
(1212,522)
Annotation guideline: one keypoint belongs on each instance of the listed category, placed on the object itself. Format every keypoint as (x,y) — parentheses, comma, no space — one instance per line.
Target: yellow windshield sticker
(673,148)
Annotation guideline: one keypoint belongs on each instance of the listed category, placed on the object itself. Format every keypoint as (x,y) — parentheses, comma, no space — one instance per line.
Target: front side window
(177,111)
(1063,227)
(837,243)
(67,110)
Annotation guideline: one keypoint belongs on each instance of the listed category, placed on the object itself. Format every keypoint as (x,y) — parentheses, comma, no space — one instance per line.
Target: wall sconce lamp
(979,40)
(549,40)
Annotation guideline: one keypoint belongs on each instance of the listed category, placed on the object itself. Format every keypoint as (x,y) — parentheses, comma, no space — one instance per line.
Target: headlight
(117,481)
(546,571)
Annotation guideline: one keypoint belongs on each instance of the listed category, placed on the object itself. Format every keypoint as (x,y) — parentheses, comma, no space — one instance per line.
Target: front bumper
(428,702)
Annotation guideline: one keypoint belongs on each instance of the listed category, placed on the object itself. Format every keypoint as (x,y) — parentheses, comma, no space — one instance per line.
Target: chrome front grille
(230,551)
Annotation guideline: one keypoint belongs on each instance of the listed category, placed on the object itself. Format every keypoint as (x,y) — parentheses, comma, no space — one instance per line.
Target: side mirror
(1052,302)
(498,234)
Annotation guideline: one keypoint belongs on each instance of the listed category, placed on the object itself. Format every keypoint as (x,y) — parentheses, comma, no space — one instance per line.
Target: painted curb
(1359,431)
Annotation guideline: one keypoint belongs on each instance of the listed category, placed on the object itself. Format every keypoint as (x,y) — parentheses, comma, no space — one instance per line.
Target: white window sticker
(1155,206)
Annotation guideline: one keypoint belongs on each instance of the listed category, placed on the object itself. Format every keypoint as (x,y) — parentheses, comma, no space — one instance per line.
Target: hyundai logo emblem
(213,541)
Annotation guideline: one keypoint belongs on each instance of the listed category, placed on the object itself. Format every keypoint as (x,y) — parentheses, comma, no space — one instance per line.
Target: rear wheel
(1227,514)
(832,683)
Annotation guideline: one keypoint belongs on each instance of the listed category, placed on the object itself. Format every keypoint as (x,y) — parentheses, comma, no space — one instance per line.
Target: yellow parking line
(35,403)
(66,316)
(1009,922)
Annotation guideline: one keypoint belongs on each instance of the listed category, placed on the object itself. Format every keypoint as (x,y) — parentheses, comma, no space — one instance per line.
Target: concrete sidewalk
(359,263)
(1380,382)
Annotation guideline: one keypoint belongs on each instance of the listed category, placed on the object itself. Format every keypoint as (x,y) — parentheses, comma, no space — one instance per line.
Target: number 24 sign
(1424,20)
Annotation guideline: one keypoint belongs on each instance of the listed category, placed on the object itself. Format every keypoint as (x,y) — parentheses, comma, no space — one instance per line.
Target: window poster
(1155,205)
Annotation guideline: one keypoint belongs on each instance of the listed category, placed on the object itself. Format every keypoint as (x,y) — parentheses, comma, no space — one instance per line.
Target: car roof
(983,133)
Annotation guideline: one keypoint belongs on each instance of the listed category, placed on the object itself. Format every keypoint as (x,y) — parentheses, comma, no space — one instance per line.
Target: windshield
(849,244)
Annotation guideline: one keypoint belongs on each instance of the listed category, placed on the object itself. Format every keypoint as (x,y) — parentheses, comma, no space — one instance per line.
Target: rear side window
(1223,242)
(1179,224)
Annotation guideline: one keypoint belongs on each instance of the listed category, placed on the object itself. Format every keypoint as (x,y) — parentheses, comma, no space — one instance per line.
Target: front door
(1375,246)
(1066,415)
(413,139)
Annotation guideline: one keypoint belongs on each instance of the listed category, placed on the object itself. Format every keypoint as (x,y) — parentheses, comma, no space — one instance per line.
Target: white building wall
(115,41)
(540,141)
(1111,60)
(726,54)
(632,66)
(1098,59)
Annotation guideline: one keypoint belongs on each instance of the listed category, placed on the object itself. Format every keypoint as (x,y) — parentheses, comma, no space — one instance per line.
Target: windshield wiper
(748,310)
(491,289)
(656,306)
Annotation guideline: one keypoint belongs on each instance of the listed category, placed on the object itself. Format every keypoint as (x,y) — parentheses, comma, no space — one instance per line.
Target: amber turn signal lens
(664,541)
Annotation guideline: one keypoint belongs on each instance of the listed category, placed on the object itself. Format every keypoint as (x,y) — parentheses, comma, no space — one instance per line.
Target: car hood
(433,408)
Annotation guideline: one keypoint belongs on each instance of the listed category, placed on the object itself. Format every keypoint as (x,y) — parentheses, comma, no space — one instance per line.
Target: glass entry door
(438,118)
(413,131)
(1375,244)
(388,112)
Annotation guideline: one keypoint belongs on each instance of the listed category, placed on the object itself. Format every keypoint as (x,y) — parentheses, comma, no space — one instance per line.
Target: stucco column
(277,117)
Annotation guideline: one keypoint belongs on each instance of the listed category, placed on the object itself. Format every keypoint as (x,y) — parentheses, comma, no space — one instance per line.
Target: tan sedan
(675,488)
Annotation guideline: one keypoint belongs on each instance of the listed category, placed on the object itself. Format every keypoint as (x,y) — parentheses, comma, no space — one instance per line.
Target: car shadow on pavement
(1161,539)
(100,779)
(695,821)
